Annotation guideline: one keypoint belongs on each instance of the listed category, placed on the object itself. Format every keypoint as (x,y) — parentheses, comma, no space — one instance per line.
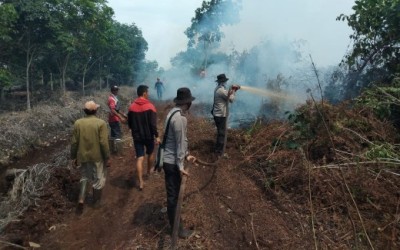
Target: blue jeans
(159,94)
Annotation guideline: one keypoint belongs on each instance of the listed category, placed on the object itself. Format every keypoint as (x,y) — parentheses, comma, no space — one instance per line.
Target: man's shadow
(153,218)
(123,182)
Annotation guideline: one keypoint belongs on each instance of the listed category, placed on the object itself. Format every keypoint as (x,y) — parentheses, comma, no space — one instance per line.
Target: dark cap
(183,96)
(221,78)
(114,88)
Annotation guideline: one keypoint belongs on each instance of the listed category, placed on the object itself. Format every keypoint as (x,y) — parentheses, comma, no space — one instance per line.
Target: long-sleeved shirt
(90,140)
(142,120)
(221,98)
(176,145)
(159,85)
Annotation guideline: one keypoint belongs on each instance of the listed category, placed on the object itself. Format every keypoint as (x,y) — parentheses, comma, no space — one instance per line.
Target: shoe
(182,233)
(218,152)
(185,233)
(79,209)
(97,193)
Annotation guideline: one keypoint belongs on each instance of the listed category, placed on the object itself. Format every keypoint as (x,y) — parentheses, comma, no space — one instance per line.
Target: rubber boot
(118,144)
(184,233)
(112,146)
(97,197)
(82,194)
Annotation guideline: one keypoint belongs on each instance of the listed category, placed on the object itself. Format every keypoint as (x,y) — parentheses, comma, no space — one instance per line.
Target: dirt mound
(333,167)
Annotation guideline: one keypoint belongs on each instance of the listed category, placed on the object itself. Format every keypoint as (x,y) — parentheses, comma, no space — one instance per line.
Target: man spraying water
(220,111)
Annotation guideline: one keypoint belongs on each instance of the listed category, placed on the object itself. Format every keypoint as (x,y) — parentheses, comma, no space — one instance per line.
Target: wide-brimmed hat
(114,88)
(221,78)
(183,96)
(91,105)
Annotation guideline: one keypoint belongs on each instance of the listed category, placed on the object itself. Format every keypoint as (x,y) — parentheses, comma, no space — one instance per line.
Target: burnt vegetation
(330,168)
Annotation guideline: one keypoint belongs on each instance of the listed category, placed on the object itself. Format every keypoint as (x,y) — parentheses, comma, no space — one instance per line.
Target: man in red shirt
(115,116)
(142,120)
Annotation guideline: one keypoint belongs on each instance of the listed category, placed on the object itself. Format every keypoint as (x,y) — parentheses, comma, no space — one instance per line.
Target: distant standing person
(90,150)
(176,152)
(221,98)
(115,116)
(159,86)
(142,120)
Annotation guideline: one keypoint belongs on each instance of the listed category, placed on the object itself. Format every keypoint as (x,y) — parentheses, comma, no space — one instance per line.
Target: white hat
(91,105)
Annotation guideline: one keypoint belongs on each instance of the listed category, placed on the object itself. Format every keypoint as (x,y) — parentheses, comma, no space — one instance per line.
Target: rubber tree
(205,32)
(95,41)
(375,54)
(31,34)
(68,26)
(128,52)
(376,33)
(8,16)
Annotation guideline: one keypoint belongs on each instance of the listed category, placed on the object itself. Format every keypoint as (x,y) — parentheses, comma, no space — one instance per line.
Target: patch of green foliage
(253,129)
(381,99)
(382,151)
(301,122)
(5,78)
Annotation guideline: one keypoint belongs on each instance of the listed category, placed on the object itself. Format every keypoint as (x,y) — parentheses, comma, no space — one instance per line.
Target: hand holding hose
(235,87)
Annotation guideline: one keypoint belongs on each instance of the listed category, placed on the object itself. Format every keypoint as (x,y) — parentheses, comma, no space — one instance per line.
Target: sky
(163,23)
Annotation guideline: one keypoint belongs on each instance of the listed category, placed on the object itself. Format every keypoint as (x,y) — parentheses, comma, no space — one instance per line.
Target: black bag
(159,158)
(160,152)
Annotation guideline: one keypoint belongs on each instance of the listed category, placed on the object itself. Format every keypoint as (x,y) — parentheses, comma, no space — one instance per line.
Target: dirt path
(223,205)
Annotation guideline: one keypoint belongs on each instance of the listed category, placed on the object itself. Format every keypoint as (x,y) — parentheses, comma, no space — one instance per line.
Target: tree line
(60,44)
(374,58)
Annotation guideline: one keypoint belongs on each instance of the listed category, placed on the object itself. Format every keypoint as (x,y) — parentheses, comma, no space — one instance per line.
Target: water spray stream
(269,93)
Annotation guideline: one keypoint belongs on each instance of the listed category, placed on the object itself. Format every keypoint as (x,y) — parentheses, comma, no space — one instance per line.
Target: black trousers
(172,184)
(220,123)
(115,130)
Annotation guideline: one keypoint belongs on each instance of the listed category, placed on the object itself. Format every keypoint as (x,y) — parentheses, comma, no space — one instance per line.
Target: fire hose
(184,177)
(233,88)
(180,200)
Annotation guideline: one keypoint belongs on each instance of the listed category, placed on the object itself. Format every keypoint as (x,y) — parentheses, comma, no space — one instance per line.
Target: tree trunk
(28,65)
(2,95)
(83,79)
(51,82)
(63,74)
(99,76)
(42,79)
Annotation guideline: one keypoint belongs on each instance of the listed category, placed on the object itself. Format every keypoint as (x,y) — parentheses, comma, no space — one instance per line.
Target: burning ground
(327,178)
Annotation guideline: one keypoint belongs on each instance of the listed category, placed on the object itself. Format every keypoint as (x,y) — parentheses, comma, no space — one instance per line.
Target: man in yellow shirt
(90,151)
